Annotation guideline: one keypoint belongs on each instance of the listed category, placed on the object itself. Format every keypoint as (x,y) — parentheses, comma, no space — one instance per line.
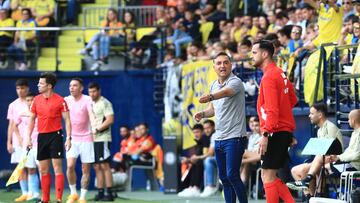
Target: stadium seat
(71,41)
(141,32)
(48,52)
(46,63)
(69,64)
(205,29)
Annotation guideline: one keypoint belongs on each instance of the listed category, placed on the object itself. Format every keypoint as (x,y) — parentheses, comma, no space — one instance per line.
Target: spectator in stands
(350,31)
(160,16)
(23,39)
(139,152)
(179,37)
(100,43)
(263,23)
(292,16)
(194,178)
(251,155)
(304,174)
(210,166)
(329,21)
(196,52)
(208,8)
(348,8)
(5,4)
(311,34)
(282,19)
(352,152)
(192,26)
(236,31)
(295,41)
(130,26)
(43,11)
(272,28)
(6,37)
(127,140)
(243,52)
(268,6)
(17,6)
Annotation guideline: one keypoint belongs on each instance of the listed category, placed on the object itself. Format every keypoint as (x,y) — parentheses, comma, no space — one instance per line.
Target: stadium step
(65,64)
(46,63)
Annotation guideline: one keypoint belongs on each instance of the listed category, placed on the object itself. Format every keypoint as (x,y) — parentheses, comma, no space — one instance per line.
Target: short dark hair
(30,94)
(246,42)
(50,78)
(267,46)
(93,85)
(321,107)
(125,126)
(79,80)
(144,124)
(22,82)
(222,54)
(198,126)
(211,122)
(28,10)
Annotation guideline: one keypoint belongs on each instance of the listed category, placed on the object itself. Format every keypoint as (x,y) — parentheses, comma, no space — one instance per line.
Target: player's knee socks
(271,192)
(284,192)
(24,186)
(34,184)
(59,186)
(45,187)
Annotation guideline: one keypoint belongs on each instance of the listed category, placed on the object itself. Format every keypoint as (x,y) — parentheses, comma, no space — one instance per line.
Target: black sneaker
(108,198)
(298,185)
(99,197)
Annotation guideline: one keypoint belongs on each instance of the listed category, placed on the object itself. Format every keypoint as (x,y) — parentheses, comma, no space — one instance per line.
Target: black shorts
(102,152)
(50,146)
(277,150)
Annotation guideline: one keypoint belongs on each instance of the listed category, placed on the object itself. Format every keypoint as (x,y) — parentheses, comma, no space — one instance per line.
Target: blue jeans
(209,171)
(228,155)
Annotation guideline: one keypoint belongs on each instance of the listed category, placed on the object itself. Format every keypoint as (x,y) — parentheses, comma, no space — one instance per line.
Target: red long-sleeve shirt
(276,100)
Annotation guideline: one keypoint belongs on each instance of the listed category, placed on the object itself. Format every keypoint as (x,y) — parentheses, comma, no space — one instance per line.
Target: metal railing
(58,49)
(144,15)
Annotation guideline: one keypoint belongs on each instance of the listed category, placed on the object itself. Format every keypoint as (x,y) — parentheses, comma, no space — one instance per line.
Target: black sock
(109,191)
(101,191)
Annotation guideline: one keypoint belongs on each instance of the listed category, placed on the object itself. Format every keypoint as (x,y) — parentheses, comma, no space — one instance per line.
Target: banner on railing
(310,75)
(196,80)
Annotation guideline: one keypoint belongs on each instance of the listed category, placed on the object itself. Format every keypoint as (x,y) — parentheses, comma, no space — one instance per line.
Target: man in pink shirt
(15,143)
(82,142)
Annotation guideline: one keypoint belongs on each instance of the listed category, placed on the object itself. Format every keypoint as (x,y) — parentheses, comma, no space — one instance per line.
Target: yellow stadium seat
(205,29)
(71,41)
(48,52)
(69,64)
(141,32)
(46,63)
(80,20)
(73,33)
(69,52)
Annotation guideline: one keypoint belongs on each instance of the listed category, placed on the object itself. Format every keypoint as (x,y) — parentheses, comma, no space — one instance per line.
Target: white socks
(83,193)
(72,189)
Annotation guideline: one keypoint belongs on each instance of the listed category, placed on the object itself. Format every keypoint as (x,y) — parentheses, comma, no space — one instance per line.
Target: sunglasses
(346,3)
(295,31)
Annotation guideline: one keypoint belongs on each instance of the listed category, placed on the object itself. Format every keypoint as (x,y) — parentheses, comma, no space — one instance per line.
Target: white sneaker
(96,66)
(22,66)
(183,192)
(83,52)
(208,191)
(192,192)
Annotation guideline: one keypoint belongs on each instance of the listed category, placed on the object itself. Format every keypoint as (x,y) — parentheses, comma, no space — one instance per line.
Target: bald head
(354,118)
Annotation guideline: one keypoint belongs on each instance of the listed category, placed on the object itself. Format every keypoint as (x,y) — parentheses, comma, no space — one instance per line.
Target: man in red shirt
(274,107)
(48,107)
